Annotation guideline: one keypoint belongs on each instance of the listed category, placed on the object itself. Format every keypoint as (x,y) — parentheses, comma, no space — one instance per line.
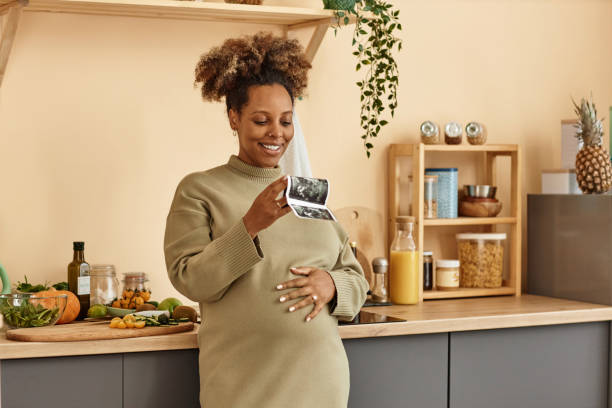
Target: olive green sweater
(253,352)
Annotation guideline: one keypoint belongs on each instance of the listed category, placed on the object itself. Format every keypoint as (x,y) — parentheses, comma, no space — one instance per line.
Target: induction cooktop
(364,317)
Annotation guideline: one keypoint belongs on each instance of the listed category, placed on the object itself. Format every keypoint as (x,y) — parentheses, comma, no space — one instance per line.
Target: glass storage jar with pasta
(481,257)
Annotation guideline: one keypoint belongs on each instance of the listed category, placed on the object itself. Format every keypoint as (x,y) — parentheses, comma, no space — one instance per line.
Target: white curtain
(295,160)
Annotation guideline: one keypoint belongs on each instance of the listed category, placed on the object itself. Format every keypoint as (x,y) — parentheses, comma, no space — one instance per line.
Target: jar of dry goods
(452,133)
(447,274)
(430,133)
(475,133)
(430,193)
(482,259)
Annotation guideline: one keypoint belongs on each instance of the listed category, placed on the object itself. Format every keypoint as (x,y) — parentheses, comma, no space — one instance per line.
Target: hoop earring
(234,132)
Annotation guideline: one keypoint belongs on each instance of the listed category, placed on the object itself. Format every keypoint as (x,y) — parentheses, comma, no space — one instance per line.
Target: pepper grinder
(380,266)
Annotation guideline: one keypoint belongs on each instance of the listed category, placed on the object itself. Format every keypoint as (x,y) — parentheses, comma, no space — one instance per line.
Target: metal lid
(489,236)
(102,270)
(380,265)
(428,253)
(453,129)
(429,129)
(447,263)
(441,169)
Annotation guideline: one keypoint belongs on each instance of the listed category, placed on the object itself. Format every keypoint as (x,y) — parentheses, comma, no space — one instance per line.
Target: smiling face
(264,125)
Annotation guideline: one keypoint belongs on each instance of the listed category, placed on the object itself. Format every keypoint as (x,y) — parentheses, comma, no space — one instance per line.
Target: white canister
(447,274)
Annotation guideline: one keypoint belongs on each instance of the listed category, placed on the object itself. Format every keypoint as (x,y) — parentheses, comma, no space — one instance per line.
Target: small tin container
(447,274)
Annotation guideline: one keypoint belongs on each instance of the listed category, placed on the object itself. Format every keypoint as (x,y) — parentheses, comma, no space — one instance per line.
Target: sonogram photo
(309,189)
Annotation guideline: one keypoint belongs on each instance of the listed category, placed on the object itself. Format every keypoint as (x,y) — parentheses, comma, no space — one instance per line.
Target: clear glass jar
(430,191)
(452,133)
(482,259)
(427,270)
(447,274)
(475,133)
(404,267)
(430,133)
(136,282)
(104,285)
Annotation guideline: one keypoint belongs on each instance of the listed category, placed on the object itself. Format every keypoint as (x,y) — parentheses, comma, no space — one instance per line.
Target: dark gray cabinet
(563,366)
(402,371)
(80,381)
(161,379)
(132,380)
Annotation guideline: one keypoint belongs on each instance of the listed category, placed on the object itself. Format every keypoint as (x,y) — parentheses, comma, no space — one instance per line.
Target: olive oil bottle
(78,277)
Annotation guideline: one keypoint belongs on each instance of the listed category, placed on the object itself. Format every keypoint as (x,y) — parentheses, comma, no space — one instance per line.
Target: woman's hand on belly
(316,287)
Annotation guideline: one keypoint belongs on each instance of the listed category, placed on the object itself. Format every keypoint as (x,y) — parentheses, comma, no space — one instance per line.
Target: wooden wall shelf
(511,286)
(290,19)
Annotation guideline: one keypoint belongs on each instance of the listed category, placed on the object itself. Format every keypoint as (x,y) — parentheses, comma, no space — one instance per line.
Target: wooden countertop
(436,316)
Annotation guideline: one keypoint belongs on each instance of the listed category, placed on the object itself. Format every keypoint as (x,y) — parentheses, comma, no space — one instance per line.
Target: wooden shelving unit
(489,153)
(290,19)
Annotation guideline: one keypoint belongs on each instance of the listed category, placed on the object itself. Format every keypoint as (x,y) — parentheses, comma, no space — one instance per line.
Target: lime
(97,311)
(169,304)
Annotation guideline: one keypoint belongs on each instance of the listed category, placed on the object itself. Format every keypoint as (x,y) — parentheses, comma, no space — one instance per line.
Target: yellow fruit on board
(113,324)
(121,325)
(129,324)
(140,324)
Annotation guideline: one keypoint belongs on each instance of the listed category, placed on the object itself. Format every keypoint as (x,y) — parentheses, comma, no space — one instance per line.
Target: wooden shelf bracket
(10,14)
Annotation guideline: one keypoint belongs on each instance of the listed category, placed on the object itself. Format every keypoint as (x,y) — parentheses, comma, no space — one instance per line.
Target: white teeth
(271,147)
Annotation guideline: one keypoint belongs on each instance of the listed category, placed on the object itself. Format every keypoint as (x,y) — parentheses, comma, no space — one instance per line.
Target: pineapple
(593,171)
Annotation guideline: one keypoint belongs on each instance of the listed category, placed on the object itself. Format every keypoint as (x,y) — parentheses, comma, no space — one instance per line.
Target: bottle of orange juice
(404,265)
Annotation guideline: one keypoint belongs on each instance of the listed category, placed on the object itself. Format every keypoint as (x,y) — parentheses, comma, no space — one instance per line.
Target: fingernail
(282,298)
(279,286)
(308,319)
(314,297)
(291,309)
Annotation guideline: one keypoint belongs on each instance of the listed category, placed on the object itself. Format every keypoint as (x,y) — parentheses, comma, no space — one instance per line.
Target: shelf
(467,292)
(410,149)
(189,10)
(468,221)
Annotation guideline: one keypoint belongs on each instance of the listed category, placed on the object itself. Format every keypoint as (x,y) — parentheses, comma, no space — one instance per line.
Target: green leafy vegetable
(29,288)
(27,314)
(61,286)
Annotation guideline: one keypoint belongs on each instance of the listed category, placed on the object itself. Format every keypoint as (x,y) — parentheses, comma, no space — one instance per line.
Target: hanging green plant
(374,39)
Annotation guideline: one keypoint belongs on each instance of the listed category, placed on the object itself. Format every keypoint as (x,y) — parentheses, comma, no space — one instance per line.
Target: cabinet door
(161,379)
(79,381)
(563,366)
(398,371)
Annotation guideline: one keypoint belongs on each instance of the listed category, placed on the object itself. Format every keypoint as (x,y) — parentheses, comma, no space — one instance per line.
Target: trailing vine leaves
(374,40)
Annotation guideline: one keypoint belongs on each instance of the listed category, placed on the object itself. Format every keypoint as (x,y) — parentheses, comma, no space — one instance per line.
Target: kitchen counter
(440,316)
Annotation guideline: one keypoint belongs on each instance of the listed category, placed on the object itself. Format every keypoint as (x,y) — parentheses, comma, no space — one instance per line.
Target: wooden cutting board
(364,226)
(84,331)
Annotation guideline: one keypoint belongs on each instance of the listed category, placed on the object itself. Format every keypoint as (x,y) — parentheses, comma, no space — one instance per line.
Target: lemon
(97,311)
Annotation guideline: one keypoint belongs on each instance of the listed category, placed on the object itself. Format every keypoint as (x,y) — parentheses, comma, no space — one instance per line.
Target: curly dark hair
(261,59)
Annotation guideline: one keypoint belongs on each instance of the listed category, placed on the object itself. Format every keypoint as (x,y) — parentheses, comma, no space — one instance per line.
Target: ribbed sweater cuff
(344,305)
(239,252)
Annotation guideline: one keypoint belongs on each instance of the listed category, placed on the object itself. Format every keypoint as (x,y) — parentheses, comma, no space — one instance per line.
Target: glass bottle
(380,267)
(78,277)
(404,270)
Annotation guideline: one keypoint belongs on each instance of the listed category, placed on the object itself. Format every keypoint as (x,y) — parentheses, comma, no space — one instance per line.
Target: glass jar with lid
(104,286)
(430,193)
(447,274)
(135,284)
(430,133)
(452,133)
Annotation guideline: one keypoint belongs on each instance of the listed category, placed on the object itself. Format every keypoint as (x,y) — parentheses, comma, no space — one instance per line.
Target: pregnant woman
(271,286)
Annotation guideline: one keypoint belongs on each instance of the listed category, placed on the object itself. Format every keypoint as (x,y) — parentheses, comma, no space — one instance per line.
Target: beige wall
(99,120)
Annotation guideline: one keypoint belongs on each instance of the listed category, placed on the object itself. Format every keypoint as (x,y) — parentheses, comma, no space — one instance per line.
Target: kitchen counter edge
(437,316)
